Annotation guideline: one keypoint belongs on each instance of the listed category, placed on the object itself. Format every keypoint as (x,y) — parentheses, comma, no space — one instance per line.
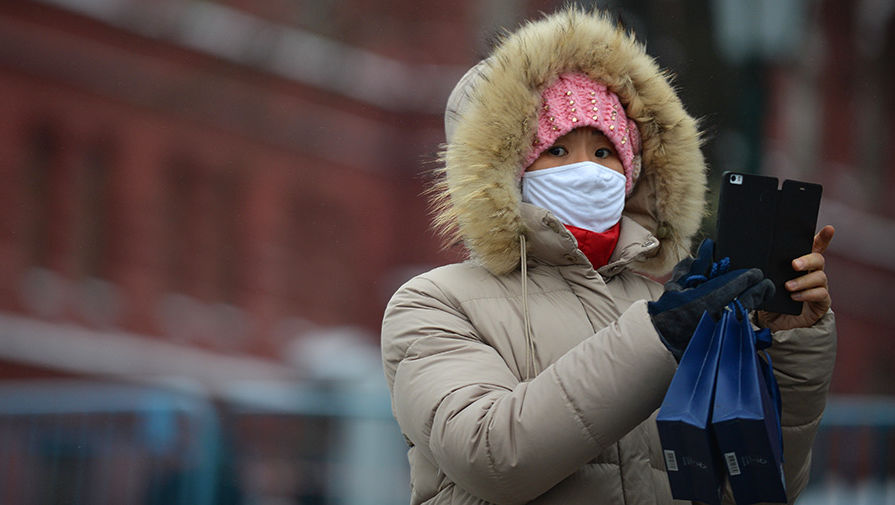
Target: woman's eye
(603,152)
(557,151)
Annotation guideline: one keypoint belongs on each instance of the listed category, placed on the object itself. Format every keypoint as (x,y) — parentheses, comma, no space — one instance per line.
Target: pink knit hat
(574,101)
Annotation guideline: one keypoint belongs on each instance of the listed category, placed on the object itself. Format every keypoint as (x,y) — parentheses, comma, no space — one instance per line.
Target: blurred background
(205,206)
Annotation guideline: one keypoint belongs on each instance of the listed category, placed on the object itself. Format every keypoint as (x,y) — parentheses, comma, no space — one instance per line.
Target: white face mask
(585,194)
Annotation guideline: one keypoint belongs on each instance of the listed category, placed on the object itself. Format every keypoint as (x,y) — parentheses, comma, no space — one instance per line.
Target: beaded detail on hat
(560,115)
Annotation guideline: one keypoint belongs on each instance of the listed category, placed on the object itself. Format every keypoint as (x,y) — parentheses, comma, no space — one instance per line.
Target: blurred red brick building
(193,185)
(198,176)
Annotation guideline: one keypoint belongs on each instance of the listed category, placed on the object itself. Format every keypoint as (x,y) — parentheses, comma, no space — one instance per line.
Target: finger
(812,280)
(706,248)
(757,294)
(726,287)
(740,281)
(814,295)
(823,238)
(704,257)
(681,270)
(809,262)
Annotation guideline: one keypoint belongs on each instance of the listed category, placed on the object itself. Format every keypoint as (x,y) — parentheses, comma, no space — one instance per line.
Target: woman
(532,371)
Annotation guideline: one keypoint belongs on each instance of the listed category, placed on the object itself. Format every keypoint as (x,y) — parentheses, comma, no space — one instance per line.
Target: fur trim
(477,196)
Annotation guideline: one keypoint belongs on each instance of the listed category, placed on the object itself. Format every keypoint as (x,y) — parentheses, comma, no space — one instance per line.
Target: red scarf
(597,247)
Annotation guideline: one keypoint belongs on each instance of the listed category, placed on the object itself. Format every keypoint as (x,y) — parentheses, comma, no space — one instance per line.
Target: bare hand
(810,288)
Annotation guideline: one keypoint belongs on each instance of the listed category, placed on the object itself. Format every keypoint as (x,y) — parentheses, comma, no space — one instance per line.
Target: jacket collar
(549,242)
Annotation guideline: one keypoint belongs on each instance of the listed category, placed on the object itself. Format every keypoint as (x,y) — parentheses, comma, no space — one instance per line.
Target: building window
(227,212)
(180,189)
(94,238)
(42,172)
(42,290)
(203,215)
(322,257)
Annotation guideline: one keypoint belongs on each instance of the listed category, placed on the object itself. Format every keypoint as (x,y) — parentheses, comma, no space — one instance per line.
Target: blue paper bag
(683,419)
(745,416)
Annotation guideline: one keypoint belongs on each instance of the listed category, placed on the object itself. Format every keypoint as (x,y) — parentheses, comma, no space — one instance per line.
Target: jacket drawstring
(526,319)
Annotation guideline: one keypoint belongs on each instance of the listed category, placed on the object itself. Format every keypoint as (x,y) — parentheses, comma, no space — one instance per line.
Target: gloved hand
(700,285)
(692,271)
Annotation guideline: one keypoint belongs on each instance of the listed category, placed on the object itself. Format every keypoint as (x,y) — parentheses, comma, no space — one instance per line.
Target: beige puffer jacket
(523,374)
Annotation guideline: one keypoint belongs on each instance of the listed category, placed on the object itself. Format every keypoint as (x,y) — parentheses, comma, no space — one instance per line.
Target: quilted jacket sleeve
(803,363)
(500,439)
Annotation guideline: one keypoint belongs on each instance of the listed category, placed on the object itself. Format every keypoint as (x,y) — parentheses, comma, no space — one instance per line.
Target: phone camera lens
(736,179)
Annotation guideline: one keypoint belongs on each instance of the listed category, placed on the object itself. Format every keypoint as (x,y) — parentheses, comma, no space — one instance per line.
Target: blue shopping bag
(683,420)
(746,414)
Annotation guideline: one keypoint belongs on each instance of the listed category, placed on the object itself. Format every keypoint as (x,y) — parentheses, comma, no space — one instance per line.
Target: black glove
(700,285)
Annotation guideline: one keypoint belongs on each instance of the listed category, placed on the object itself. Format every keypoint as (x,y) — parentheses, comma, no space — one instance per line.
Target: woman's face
(580,144)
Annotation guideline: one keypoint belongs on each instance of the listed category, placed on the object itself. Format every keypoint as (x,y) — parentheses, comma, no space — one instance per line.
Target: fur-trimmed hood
(492,119)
